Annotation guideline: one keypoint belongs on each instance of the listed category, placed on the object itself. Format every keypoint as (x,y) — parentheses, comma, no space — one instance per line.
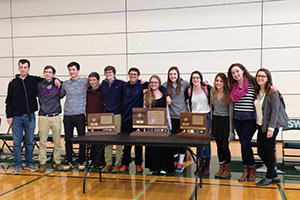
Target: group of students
(237,101)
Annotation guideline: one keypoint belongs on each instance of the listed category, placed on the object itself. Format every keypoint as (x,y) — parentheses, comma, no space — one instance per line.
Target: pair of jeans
(266,151)
(71,122)
(205,152)
(138,150)
(27,123)
(245,130)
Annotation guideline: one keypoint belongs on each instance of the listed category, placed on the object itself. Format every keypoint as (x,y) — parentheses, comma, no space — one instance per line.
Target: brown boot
(221,170)
(116,169)
(106,169)
(245,174)
(252,175)
(227,172)
(42,168)
(206,166)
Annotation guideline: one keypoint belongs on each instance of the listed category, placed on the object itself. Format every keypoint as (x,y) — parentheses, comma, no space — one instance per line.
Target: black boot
(206,166)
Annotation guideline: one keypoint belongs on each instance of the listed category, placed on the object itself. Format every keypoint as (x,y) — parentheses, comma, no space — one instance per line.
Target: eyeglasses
(261,76)
(195,77)
(154,82)
(133,74)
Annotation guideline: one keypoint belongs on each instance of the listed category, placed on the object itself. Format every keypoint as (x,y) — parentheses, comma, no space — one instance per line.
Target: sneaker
(42,168)
(81,167)
(116,169)
(17,170)
(162,173)
(276,180)
(124,168)
(175,164)
(106,169)
(58,167)
(30,168)
(139,169)
(68,167)
(179,168)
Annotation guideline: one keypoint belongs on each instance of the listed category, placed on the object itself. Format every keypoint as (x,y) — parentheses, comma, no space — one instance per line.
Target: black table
(125,139)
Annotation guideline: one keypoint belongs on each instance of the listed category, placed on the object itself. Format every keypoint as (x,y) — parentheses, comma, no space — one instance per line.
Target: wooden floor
(68,185)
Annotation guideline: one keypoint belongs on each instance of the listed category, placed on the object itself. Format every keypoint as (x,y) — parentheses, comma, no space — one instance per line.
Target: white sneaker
(81,167)
(68,167)
(16,170)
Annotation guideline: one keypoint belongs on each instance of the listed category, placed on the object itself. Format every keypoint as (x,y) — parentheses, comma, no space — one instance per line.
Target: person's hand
(142,81)
(168,100)
(57,83)
(270,134)
(145,91)
(9,121)
(273,88)
(206,83)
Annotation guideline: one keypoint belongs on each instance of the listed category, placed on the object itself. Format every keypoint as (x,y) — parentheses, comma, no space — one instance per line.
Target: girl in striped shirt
(242,95)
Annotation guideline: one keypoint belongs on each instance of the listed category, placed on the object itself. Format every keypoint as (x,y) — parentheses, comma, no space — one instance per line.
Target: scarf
(237,93)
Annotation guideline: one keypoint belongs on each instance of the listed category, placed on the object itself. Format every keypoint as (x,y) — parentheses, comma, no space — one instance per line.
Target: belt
(50,115)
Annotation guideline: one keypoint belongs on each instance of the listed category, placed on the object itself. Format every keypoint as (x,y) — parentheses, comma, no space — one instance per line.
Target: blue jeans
(205,152)
(245,130)
(19,123)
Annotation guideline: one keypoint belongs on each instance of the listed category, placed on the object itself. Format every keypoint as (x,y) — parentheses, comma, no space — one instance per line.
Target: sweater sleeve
(8,101)
(275,103)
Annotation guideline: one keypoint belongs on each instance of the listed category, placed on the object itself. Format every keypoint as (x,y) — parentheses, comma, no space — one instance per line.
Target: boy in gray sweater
(75,91)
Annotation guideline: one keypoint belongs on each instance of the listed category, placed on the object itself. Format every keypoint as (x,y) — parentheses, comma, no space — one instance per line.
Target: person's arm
(275,103)
(62,91)
(8,101)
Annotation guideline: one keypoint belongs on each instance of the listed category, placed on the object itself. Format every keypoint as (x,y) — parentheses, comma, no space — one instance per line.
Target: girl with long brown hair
(175,88)
(221,123)
(268,109)
(242,94)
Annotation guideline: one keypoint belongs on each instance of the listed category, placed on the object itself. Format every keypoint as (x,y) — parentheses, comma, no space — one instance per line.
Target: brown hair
(268,84)
(50,67)
(94,74)
(110,67)
(149,97)
(178,81)
(231,80)
(214,90)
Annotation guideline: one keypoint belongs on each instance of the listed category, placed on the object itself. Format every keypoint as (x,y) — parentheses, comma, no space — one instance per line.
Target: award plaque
(149,118)
(193,121)
(101,121)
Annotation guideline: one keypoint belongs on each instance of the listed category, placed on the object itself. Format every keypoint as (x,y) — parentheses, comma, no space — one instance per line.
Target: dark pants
(97,154)
(223,151)
(138,150)
(266,151)
(71,121)
(245,130)
(176,129)
(220,130)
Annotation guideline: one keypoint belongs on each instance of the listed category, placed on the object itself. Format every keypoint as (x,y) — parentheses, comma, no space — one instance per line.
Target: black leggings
(176,129)
(223,151)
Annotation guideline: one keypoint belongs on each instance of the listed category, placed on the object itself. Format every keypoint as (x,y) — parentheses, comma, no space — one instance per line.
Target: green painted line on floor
(14,189)
(145,188)
(281,192)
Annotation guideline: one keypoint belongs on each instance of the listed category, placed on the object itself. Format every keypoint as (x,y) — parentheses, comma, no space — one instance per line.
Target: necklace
(261,96)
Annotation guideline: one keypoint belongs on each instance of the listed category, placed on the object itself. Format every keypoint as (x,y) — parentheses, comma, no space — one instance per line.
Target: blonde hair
(149,97)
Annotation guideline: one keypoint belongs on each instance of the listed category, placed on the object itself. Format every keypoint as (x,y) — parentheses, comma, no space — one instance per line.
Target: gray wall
(207,35)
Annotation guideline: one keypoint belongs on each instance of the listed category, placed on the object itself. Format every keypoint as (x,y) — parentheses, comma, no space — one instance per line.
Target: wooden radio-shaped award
(149,118)
(193,121)
(101,124)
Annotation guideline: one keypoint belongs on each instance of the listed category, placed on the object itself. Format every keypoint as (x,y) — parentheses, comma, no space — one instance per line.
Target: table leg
(87,166)
(198,171)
